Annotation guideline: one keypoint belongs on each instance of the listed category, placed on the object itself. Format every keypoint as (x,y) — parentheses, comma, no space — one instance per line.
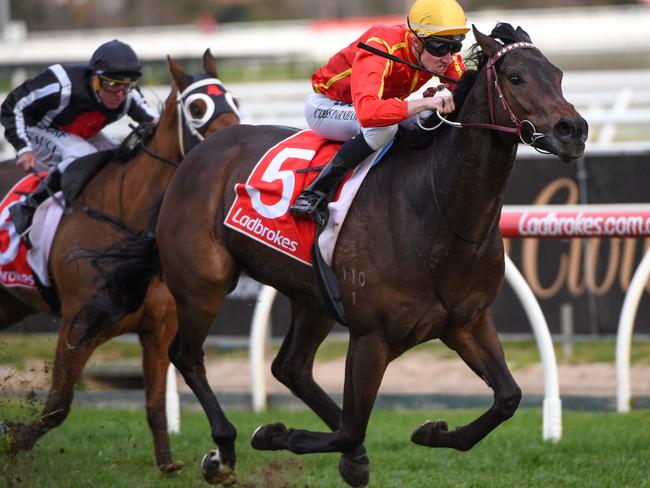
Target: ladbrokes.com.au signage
(591,274)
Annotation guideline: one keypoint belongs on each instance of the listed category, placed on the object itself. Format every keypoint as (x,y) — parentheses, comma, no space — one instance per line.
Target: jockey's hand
(26,161)
(443,104)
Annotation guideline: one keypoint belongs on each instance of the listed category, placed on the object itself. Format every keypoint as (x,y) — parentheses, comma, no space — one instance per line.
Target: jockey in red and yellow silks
(360,97)
(377,86)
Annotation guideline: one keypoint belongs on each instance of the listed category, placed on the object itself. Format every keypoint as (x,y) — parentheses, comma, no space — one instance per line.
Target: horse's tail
(125,270)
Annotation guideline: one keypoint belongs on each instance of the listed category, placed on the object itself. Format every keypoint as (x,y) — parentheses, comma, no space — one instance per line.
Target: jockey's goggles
(114,86)
(441,48)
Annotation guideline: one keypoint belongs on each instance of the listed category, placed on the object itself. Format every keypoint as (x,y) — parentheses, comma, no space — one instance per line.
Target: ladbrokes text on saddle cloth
(261,207)
(14,270)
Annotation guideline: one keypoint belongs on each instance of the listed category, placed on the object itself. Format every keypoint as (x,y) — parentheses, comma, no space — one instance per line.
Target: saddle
(81,171)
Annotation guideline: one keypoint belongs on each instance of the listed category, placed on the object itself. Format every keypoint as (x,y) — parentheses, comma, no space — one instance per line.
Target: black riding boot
(312,202)
(22,213)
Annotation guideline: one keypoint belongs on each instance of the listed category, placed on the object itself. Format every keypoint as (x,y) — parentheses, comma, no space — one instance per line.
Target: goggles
(441,48)
(114,86)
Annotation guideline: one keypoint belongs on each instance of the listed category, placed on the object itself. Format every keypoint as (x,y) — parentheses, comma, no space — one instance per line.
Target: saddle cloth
(261,206)
(17,262)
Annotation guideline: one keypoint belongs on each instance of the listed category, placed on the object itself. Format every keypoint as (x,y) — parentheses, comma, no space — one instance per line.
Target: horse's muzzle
(567,130)
(567,138)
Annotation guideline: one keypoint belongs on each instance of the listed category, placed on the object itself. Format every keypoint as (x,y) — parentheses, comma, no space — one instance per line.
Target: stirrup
(22,216)
(307,204)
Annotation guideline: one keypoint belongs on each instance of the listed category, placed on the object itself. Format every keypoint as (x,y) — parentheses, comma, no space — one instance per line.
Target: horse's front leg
(186,353)
(155,341)
(364,369)
(479,346)
(69,361)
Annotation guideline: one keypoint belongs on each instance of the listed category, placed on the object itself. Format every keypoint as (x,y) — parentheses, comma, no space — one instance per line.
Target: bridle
(185,119)
(492,86)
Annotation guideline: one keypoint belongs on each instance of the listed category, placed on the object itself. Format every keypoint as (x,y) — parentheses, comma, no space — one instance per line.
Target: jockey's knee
(378,137)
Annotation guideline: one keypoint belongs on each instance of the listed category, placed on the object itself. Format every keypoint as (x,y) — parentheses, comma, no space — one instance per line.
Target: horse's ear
(180,79)
(523,35)
(210,63)
(488,45)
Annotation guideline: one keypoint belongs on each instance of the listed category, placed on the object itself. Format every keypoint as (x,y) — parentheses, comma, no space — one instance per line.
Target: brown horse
(197,106)
(423,231)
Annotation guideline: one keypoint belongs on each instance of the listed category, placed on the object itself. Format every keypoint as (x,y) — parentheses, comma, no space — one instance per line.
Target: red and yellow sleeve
(369,72)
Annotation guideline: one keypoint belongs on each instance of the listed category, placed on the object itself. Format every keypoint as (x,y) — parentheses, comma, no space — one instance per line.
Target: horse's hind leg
(199,288)
(367,358)
(293,367)
(479,346)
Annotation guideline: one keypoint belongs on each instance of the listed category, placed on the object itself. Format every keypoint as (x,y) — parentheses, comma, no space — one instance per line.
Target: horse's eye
(515,79)
(196,110)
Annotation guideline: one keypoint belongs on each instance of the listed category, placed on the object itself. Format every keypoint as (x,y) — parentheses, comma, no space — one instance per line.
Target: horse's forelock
(476,59)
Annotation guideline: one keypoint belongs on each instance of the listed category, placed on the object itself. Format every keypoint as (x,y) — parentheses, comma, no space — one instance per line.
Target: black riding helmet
(116,60)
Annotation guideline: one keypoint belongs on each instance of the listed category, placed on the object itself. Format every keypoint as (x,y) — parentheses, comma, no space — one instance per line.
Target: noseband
(493,85)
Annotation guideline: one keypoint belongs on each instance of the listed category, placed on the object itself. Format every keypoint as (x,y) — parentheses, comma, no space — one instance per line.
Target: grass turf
(112,448)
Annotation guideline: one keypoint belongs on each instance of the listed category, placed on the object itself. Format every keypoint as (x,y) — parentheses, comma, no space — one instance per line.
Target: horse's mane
(474,61)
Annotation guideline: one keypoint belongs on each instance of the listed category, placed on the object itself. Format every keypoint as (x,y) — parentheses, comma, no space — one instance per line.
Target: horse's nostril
(564,129)
(567,129)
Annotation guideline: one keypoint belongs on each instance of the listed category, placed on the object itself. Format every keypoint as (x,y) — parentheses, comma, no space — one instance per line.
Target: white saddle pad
(46,221)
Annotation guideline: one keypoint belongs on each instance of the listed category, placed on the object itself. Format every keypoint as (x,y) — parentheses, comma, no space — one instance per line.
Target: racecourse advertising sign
(590,274)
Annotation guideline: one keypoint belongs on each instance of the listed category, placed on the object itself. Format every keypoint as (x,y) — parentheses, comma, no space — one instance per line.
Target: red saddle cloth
(14,270)
(261,207)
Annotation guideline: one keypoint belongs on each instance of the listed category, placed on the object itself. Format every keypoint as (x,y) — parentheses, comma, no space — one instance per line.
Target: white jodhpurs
(56,148)
(337,121)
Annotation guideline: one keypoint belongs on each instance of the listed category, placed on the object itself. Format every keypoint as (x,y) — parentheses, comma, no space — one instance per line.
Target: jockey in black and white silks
(58,116)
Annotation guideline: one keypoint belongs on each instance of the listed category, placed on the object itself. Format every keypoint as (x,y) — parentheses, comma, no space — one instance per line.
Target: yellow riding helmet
(437,18)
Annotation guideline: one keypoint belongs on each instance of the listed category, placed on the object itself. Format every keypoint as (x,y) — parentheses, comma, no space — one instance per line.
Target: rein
(158,157)
(493,84)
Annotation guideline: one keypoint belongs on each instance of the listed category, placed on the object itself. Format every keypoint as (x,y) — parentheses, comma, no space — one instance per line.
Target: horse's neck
(148,176)
(471,168)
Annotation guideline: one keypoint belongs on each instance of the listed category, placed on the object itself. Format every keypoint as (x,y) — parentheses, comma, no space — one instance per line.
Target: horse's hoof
(431,434)
(171,467)
(18,437)
(215,472)
(270,437)
(354,467)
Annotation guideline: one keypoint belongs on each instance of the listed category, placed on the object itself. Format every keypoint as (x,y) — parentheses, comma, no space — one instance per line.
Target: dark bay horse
(423,231)
(198,105)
